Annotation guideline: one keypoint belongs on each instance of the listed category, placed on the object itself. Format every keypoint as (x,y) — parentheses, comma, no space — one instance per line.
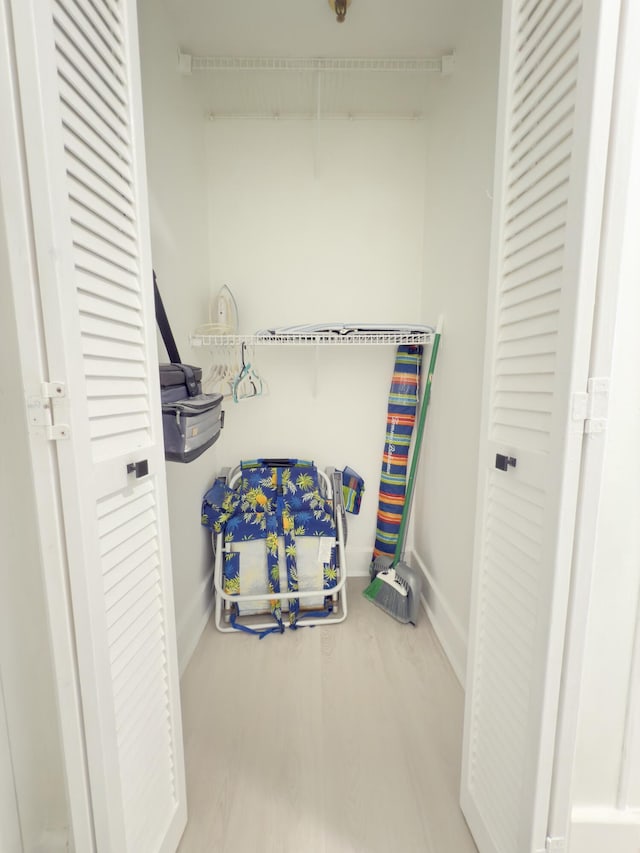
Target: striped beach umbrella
(401,418)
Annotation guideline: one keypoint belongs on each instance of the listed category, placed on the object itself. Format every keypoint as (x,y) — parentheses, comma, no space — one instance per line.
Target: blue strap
(279,628)
(312,614)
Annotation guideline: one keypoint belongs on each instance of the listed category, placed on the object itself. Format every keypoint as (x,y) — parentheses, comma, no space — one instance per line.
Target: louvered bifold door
(78,69)
(556,81)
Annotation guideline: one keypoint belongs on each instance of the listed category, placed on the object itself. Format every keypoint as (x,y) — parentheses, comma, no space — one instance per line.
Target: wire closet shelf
(440,65)
(316,88)
(314,339)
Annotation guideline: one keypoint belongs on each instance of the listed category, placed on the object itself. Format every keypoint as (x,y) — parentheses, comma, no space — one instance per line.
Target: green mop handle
(417,445)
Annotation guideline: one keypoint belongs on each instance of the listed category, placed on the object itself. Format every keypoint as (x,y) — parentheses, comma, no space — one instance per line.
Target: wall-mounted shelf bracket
(185,63)
(448,64)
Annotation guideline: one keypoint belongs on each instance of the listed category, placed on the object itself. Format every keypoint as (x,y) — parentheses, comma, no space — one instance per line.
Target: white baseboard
(193,622)
(358,562)
(595,830)
(449,631)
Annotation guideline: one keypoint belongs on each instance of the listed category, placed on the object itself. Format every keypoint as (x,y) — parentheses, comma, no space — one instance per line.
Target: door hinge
(40,410)
(555,845)
(590,408)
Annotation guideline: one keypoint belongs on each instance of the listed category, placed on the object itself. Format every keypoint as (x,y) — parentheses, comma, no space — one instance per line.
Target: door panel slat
(536,194)
(111,520)
(547,265)
(531,21)
(83,217)
(115,574)
(102,305)
(85,120)
(96,157)
(545,112)
(106,194)
(531,305)
(106,87)
(85,196)
(560,30)
(77,93)
(134,619)
(83,29)
(553,161)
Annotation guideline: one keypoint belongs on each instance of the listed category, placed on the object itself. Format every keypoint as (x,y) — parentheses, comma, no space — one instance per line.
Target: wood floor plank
(337,739)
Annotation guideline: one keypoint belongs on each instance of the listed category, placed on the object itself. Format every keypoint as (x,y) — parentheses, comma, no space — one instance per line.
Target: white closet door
(554,109)
(79,78)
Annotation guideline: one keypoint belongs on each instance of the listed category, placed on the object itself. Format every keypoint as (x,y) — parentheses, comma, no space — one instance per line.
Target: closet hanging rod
(188,63)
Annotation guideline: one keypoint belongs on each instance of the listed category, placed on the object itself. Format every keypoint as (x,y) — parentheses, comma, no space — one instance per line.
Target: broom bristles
(391,593)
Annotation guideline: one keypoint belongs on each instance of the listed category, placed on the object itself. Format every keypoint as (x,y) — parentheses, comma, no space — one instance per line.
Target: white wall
(302,238)
(25,657)
(174,139)
(307,234)
(459,182)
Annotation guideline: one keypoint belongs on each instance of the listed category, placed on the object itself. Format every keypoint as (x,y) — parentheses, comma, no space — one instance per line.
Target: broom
(396,586)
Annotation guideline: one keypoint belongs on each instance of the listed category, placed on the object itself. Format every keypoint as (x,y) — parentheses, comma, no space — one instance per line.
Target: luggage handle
(278,463)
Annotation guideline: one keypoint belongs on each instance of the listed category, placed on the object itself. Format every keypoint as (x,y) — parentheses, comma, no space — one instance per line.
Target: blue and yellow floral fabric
(272,503)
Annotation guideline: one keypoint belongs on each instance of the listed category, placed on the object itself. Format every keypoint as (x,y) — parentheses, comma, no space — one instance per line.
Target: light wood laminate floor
(337,739)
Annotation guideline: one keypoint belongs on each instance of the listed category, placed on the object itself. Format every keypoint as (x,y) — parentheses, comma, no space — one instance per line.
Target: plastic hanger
(247,383)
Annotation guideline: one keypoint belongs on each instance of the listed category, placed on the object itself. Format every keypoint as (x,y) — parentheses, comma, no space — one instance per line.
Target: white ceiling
(301,28)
